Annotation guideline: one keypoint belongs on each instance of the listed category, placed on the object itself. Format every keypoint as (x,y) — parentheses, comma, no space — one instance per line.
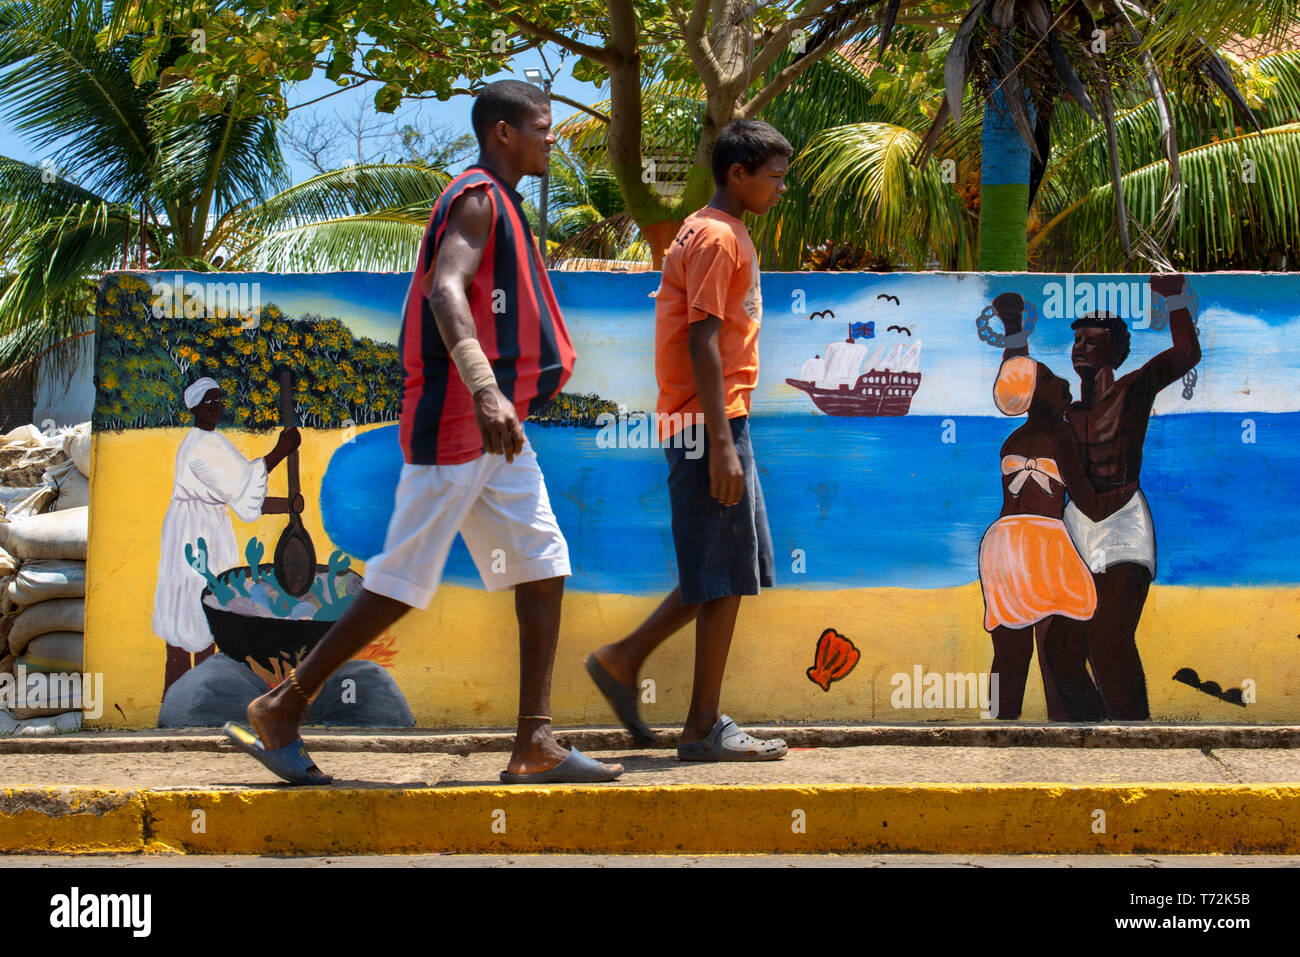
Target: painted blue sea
(876,502)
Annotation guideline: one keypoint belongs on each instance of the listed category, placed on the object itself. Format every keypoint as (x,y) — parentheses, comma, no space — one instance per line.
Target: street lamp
(534,75)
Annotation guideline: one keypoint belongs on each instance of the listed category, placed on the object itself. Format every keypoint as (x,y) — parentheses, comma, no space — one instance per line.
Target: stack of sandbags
(70,479)
(25,454)
(44,599)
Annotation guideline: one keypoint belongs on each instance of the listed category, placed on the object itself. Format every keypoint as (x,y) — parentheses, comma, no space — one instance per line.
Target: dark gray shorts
(721,551)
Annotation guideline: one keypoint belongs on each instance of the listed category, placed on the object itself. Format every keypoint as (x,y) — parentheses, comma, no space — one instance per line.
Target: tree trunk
(1004,192)
(658,236)
(659,223)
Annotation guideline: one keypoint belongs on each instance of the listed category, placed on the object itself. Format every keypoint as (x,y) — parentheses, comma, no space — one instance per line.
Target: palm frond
(1238,206)
(869,190)
(30,195)
(344,193)
(376,242)
(61,91)
(228,156)
(46,302)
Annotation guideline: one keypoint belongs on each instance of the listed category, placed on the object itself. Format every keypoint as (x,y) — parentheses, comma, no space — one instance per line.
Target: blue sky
(453,112)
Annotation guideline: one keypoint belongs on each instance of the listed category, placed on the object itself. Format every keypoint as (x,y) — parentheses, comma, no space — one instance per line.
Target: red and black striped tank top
(517,320)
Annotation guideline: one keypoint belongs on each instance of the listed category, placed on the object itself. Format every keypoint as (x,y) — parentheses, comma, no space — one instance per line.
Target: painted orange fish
(836,657)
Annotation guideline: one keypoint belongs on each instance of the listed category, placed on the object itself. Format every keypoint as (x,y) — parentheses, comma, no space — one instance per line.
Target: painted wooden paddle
(295,558)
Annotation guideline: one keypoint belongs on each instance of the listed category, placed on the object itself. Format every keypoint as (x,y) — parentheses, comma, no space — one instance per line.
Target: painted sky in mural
(1250,331)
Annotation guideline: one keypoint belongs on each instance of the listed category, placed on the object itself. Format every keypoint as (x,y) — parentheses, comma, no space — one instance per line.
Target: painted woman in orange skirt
(1030,572)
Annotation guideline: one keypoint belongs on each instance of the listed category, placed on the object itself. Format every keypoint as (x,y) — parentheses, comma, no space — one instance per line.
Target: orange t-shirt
(711,269)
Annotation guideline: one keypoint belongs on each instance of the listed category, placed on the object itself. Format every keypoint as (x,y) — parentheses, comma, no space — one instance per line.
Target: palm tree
(1013,52)
(856,126)
(588,217)
(1239,208)
(121,188)
(854,135)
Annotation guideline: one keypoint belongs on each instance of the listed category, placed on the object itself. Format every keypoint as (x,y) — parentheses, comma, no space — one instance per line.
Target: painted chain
(1160,319)
(1002,340)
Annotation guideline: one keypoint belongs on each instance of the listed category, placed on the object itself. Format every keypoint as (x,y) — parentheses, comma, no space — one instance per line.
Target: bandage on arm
(472,364)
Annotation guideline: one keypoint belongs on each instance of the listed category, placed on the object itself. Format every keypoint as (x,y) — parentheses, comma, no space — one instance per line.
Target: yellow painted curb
(933,818)
(70,819)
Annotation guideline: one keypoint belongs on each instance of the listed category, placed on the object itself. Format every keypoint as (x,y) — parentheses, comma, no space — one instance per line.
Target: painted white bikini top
(1023,468)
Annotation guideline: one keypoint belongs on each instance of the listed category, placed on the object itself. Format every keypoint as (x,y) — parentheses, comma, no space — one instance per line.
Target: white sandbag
(47,578)
(74,492)
(37,503)
(76,445)
(72,488)
(58,652)
(44,727)
(62,708)
(8,564)
(10,496)
(51,535)
(23,435)
(61,614)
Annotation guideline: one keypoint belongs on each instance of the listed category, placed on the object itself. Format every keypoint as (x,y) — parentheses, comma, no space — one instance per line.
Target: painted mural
(964,474)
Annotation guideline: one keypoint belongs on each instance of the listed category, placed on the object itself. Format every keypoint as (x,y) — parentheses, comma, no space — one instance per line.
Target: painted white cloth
(212,477)
(1127,536)
(198,389)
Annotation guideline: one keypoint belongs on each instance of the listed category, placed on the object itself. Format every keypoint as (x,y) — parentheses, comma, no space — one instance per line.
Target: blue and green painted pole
(1004,191)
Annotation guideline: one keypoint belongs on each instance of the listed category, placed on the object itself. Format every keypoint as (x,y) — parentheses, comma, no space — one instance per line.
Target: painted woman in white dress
(212,479)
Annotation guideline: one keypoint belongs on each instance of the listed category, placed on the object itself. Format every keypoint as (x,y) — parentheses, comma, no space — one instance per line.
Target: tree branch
(780,41)
(599,54)
(604,118)
(787,76)
(699,47)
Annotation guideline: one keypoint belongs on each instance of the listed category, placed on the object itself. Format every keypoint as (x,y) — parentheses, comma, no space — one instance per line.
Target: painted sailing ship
(846,380)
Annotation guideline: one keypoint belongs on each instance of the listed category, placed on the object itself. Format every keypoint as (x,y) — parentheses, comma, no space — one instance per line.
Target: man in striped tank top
(483,344)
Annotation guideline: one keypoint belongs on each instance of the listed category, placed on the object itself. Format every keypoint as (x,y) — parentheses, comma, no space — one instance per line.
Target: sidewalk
(1169,791)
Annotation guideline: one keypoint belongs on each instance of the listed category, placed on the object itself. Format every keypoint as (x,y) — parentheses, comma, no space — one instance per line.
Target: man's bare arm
(460,253)
(1175,362)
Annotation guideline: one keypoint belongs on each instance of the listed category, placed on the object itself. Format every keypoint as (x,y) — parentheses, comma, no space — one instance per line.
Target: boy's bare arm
(726,475)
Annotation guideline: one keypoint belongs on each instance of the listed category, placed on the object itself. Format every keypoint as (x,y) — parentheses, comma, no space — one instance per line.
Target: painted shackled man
(1109,422)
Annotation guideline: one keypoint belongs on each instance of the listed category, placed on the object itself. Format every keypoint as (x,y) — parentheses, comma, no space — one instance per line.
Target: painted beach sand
(457,661)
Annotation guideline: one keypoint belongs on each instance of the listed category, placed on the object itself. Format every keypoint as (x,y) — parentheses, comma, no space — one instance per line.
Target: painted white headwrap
(195,393)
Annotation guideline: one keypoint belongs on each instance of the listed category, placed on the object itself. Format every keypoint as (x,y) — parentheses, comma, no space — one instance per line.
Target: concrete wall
(67,396)
(877,521)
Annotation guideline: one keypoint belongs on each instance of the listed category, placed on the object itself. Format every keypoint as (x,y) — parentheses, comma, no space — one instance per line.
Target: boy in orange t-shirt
(707,315)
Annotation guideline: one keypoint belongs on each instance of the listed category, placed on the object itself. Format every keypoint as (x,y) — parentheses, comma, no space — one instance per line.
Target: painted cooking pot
(266,638)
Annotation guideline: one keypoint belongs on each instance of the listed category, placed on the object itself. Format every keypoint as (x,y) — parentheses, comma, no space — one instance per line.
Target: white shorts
(1129,535)
(501,510)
